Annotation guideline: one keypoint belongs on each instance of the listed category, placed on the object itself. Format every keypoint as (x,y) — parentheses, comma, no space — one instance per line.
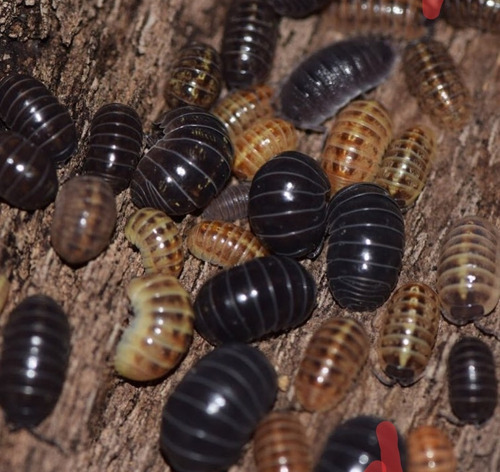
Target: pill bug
(288,203)
(298,8)
(162,329)
(249,40)
(249,301)
(281,444)
(28,178)
(158,239)
(115,143)
(29,108)
(468,270)
(480,14)
(84,219)
(430,449)
(4,290)
(433,78)
(223,243)
(195,77)
(406,165)
(215,408)
(472,382)
(331,77)
(356,143)
(34,360)
(365,246)
(334,357)
(409,330)
(186,168)
(230,205)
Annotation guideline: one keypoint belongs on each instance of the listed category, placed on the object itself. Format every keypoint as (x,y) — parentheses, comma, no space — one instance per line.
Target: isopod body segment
(298,8)
(230,205)
(483,15)
(4,290)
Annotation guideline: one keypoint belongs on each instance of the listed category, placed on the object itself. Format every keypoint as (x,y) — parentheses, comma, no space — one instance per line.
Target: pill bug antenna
(49,441)
(487,331)
(382,377)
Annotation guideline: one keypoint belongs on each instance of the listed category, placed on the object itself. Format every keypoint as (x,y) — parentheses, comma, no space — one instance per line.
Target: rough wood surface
(92,52)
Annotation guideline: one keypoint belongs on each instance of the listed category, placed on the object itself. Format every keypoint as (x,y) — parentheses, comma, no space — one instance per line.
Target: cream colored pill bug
(160,333)
(4,290)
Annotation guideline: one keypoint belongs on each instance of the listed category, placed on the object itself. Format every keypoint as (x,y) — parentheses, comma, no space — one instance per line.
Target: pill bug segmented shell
(480,14)
(160,333)
(34,360)
(298,8)
(356,143)
(472,381)
(230,205)
(4,290)
(115,143)
(246,302)
(468,270)
(158,239)
(30,109)
(216,407)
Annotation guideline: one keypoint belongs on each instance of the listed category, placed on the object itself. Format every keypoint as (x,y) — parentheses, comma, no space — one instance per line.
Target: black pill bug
(247,302)
(34,360)
(331,77)
(298,8)
(230,205)
(115,144)
(216,407)
(365,246)
(186,168)
(30,109)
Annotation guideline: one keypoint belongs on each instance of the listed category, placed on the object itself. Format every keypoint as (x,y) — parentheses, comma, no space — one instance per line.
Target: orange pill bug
(407,164)
(409,330)
(223,243)
(281,445)
(158,239)
(161,331)
(356,144)
(333,359)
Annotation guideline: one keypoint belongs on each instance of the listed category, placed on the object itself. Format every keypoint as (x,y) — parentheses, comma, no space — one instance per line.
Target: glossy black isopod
(298,8)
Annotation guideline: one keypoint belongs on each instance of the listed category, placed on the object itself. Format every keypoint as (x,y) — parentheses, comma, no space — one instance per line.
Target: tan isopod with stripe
(160,333)
(4,290)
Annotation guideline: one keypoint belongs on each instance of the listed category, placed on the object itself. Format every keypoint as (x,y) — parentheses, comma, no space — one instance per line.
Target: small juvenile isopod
(298,8)
(230,205)
(480,14)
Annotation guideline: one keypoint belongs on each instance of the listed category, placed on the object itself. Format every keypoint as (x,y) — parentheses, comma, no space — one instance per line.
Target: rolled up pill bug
(115,144)
(186,168)
(356,143)
(162,329)
(84,219)
(4,290)
(472,381)
(29,108)
(298,8)
(333,76)
(365,246)
(468,270)
(214,410)
(433,78)
(230,205)
(483,15)
(34,360)
(288,203)
(249,41)
(28,178)
(246,302)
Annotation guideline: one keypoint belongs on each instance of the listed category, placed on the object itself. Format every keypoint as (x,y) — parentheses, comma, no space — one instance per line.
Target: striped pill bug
(34,360)
(30,109)
(223,243)
(298,8)
(249,301)
(187,167)
(4,290)
(84,219)
(230,205)
(28,178)
(115,144)
(472,381)
(158,239)
(160,333)
(365,246)
(216,407)
(356,143)
(332,76)
(483,15)
(468,270)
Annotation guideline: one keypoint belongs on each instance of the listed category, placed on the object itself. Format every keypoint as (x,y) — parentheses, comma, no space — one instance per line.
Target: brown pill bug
(160,333)
(298,8)
(409,330)
(356,144)
(4,290)
(406,165)
(332,360)
(84,219)
(281,444)
(223,243)
(158,239)
(430,450)
(433,78)
(230,205)
(468,270)
(483,15)
(265,139)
